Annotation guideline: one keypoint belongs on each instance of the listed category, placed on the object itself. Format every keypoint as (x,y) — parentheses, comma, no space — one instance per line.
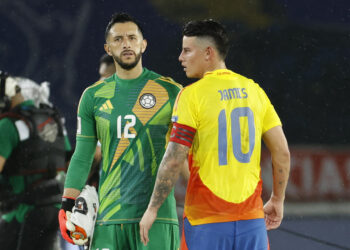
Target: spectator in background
(33,142)
(219,122)
(107,67)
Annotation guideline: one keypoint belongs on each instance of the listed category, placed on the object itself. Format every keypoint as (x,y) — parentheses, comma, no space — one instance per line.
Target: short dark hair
(212,29)
(121,18)
(107,59)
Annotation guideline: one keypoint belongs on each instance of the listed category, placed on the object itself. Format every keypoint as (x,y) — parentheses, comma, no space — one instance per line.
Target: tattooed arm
(168,173)
(276,142)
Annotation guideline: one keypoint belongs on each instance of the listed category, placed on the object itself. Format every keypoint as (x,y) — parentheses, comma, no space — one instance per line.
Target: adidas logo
(106,107)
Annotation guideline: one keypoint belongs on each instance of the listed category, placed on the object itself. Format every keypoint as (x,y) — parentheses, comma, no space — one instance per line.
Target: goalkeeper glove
(77,221)
(64,217)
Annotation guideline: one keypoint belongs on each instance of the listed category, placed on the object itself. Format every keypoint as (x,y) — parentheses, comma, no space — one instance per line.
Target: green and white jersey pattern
(131,119)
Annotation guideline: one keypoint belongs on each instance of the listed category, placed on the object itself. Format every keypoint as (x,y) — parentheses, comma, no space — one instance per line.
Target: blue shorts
(236,235)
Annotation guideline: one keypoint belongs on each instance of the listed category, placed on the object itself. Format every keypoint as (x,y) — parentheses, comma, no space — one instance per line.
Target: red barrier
(317,174)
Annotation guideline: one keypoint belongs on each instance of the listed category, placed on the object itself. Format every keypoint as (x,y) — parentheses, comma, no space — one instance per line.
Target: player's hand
(273,210)
(146,223)
(64,217)
(81,222)
(70,232)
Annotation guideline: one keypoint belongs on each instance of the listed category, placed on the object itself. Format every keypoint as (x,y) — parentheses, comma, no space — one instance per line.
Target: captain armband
(182,134)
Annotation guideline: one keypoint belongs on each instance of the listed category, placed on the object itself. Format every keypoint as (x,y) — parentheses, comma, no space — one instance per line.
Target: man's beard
(128,66)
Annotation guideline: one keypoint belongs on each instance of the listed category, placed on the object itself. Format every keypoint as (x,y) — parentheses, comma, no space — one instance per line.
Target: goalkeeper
(129,113)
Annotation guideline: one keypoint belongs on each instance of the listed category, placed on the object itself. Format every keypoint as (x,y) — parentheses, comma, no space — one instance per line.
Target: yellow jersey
(227,114)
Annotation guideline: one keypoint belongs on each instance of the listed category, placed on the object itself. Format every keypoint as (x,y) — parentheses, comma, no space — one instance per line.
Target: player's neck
(16,100)
(130,74)
(218,65)
(215,66)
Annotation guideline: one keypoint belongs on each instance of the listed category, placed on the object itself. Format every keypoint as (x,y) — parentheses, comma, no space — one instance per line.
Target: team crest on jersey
(147,101)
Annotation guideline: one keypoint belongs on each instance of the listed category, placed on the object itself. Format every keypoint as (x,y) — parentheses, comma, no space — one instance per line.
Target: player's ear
(209,53)
(107,49)
(143,45)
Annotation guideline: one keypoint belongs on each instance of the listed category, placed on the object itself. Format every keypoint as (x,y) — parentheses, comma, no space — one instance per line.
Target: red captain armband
(182,134)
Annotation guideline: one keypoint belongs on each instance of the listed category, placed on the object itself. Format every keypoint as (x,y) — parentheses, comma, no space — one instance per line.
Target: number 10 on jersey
(236,114)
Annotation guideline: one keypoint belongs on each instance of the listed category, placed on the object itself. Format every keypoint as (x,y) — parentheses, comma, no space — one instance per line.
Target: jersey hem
(219,219)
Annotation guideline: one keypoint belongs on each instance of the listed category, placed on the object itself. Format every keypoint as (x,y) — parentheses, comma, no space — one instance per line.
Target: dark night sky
(301,58)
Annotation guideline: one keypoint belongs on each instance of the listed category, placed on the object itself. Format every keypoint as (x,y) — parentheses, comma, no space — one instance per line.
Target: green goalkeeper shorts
(162,236)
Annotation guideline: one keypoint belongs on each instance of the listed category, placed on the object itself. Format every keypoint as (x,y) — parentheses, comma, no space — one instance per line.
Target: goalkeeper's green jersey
(132,121)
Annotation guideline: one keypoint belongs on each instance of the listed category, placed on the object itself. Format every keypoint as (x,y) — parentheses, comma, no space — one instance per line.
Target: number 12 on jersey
(236,114)
(131,121)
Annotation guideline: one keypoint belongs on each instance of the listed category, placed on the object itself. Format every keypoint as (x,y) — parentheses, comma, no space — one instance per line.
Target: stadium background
(298,51)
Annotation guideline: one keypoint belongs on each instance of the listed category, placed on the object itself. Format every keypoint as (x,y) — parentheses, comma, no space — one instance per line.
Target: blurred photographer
(33,147)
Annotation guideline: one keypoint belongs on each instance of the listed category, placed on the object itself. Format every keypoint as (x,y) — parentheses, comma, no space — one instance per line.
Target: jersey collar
(131,81)
(219,72)
(27,103)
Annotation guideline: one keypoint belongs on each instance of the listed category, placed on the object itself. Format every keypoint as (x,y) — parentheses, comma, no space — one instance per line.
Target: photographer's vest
(40,150)
(41,142)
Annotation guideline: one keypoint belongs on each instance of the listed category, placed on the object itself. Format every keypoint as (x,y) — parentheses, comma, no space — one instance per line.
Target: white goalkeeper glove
(81,221)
